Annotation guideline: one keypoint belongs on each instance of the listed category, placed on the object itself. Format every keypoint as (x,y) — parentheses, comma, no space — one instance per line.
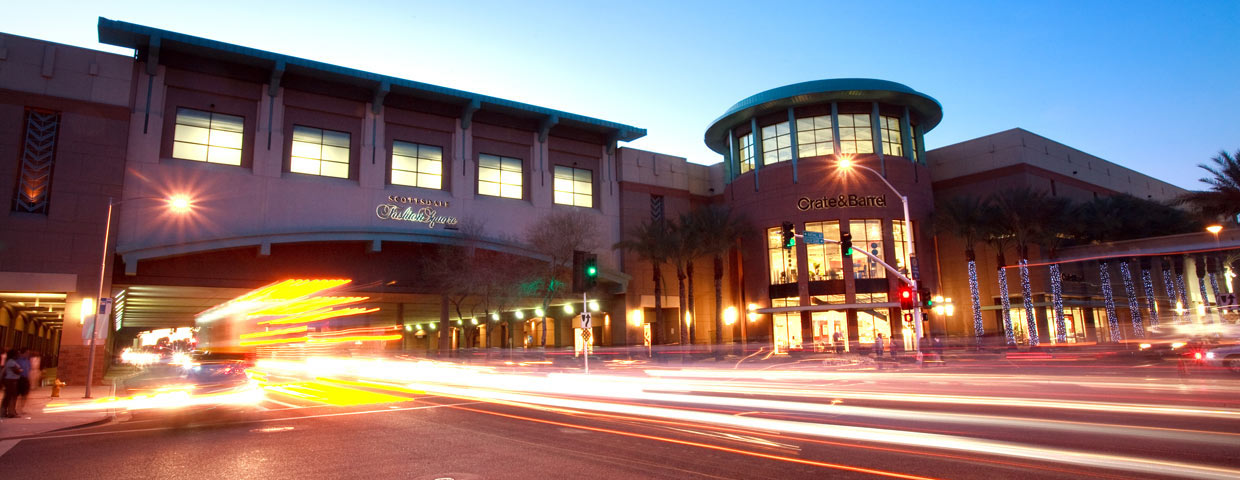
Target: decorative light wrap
(1104,275)
(1007,306)
(1148,281)
(1134,307)
(978,329)
(1169,287)
(1218,299)
(1027,291)
(1061,328)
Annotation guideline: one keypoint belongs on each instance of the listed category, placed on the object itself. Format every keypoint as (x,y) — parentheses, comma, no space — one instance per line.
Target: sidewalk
(35,420)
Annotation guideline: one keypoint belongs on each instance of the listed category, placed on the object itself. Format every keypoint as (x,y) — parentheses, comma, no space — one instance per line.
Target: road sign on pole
(812,238)
(585,320)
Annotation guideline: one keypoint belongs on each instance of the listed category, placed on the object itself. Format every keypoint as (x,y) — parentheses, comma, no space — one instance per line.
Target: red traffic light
(907,301)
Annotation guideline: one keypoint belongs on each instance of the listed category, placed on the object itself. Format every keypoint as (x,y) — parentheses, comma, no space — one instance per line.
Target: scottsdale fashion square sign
(416,210)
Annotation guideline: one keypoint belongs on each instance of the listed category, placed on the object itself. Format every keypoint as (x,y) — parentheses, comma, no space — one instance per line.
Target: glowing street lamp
(178,204)
(846,164)
(1214,230)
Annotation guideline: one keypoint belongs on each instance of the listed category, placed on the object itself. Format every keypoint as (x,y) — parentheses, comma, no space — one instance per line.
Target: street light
(177,204)
(1215,229)
(846,163)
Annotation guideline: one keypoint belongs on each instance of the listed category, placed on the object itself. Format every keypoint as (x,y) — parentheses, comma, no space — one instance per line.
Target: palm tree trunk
(680,285)
(1026,290)
(1108,298)
(718,301)
(1061,327)
(979,330)
(692,307)
(1147,281)
(1134,307)
(1006,302)
(658,304)
(1169,287)
(1201,287)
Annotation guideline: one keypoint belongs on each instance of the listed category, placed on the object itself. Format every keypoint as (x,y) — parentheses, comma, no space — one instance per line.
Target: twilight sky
(1149,85)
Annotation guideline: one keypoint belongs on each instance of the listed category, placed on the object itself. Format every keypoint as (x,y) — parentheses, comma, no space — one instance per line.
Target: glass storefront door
(787,326)
(826,325)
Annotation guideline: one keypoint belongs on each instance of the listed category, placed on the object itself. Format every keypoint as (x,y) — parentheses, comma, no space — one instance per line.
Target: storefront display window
(825,260)
(867,234)
(783,261)
(826,326)
(787,326)
(871,323)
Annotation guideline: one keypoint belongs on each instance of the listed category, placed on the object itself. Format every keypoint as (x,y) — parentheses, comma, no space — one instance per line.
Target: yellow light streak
(359,338)
(306,305)
(316,316)
(272,341)
(271,333)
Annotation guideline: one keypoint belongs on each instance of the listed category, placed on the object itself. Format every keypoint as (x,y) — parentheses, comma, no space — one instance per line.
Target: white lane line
(6,445)
(263,420)
(277,402)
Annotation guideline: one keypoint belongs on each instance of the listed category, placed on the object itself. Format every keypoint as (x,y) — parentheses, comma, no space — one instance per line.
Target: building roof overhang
(148,41)
(927,109)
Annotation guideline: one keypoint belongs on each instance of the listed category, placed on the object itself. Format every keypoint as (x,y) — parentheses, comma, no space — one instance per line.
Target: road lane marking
(6,445)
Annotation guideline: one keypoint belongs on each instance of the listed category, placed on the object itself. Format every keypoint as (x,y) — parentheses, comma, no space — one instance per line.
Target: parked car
(1227,356)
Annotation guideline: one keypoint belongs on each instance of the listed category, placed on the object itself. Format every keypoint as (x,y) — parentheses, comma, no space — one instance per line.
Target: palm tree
(716,230)
(1021,213)
(1054,226)
(651,241)
(997,237)
(965,217)
(683,250)
(1223,197)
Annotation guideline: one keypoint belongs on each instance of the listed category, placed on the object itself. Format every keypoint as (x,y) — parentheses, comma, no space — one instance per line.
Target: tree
(965,218)
(651,241)
(555,236)
(683,249)
(997,237)
(1022,213)
(1054,225)
(1223,197)
(1124,217)
(716,230)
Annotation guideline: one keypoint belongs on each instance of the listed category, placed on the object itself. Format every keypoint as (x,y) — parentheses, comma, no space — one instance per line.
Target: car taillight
(1197,355)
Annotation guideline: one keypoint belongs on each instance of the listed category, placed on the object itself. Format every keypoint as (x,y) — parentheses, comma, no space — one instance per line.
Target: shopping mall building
(300,169)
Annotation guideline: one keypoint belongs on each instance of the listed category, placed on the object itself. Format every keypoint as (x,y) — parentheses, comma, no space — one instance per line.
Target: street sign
(585,335)
(812,238)
(585,320)
(105,306)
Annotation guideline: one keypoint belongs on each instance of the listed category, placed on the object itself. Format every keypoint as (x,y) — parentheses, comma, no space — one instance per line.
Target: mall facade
(301,169)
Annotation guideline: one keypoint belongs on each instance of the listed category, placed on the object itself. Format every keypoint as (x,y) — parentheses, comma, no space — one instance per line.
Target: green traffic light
(591,271)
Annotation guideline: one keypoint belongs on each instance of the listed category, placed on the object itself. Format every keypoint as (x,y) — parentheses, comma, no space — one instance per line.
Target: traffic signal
(906,297)
(790,238)
(590,270)
(585,271)
(846,244)
(927,300)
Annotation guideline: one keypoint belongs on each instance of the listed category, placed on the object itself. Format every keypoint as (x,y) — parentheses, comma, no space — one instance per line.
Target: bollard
(56,388)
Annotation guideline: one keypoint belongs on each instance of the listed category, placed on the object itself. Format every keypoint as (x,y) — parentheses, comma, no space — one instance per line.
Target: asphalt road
(795,421)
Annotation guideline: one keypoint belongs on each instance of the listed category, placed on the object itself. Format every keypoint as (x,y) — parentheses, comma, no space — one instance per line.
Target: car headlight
(1210,355)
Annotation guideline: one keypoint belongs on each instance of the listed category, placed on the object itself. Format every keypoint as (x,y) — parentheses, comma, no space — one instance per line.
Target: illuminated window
(856,135)
(867,234)
(417,165)
(776,143)
(787,325)
(912,137)
(574,186)
(783,260)
(499,176)
(815,137)
(825,260)
(320,152)
(891,136)
(897,233)
(745,143)
(208,137)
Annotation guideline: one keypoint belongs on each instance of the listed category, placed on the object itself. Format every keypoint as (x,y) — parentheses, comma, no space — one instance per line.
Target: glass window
(856,135)
(776,143)
(208,137)
(499,176)
(897,233)
(867,234)
(783,260)
(320,152)
(891,136)
(417,165)
(825,260)
(574,186)
(912,136)
(871,324)
(787,325)
(745,151)
(876,297)
(815,137)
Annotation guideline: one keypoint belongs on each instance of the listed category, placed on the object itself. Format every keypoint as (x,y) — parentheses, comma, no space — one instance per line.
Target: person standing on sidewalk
(11,373)
(878,350)
(23,383)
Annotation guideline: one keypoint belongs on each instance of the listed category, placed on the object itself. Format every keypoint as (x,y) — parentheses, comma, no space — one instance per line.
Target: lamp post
(177,203)
(1214,230)
(846,163)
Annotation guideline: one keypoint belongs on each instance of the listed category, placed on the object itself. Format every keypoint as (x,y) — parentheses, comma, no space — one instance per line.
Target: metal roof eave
(129,35)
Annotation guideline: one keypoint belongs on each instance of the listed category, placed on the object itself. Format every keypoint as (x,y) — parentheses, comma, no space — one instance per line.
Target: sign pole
(585,330)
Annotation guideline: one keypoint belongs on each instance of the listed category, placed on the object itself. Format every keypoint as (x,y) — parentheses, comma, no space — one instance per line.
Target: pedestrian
(878,350)
(23,383)
(896,346)
(838,340)
(938,350)
(10,374)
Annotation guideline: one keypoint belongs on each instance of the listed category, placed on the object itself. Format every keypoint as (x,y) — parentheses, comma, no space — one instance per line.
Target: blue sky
(1148,85)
